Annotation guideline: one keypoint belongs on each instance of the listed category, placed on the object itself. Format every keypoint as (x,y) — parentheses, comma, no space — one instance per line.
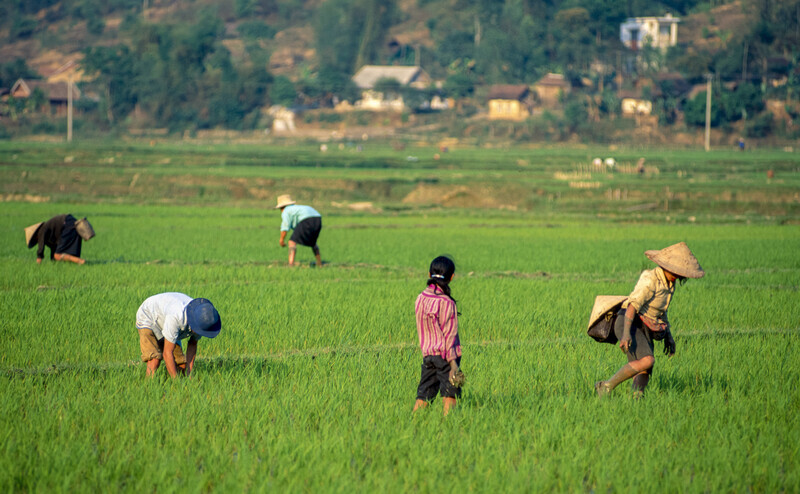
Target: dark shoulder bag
(603,330)
(604,315)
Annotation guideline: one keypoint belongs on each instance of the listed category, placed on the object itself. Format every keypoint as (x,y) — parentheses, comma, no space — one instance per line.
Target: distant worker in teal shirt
(306,223)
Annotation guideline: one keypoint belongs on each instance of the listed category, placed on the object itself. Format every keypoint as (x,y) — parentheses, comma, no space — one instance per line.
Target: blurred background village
(523,71)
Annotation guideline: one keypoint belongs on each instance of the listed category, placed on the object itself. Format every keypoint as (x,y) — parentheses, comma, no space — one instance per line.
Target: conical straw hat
(30,234)
(677,259)
(603,304)
(284,200)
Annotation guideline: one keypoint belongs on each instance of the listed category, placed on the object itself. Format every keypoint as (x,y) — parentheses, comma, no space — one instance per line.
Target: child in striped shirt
(437,327)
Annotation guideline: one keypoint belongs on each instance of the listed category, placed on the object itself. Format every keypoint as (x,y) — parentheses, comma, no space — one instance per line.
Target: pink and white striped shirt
(437,324)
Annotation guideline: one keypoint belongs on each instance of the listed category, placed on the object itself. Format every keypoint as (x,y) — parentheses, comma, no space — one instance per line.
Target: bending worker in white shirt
(164,319)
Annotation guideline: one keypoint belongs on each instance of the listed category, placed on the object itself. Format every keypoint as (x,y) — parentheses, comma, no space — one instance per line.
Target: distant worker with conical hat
(63,234)
(306,223)
(643,317)
(164,320)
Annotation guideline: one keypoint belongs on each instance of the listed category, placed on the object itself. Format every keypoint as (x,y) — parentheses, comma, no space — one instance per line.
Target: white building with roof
(368,76)
(413,76)
(658,32)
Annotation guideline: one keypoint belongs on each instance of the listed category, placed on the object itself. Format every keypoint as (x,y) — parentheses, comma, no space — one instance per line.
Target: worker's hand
(625,341)
(457,379)
(38,260)
(669,345)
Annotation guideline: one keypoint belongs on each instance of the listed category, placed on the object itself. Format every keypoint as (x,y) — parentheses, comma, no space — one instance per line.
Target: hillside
(291,49)
(190,65)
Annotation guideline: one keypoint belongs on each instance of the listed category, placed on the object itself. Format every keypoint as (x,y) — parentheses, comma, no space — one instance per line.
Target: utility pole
(69,109)
(708,111)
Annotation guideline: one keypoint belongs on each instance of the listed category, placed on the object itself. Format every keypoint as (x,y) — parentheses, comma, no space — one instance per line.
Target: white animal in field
(611,162)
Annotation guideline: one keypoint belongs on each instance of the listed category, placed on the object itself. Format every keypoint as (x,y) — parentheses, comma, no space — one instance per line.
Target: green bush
(694,111)
(22,28)
(95,25)
(49,127)
(760,126)
(575,113)
(255,30)
(329,117)
(468,109)
(282,91)
(251,120)
(363,118)
(746,100)
(244,8)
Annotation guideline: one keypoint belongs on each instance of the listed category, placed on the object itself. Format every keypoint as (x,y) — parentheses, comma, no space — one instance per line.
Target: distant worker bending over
(164,320)
(306,223)
(63,234)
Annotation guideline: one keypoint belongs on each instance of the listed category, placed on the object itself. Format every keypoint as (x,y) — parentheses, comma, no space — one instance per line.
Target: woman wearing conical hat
(63,234)
(645,317)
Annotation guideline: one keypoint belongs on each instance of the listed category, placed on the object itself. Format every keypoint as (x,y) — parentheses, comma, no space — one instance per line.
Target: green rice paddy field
(310,385)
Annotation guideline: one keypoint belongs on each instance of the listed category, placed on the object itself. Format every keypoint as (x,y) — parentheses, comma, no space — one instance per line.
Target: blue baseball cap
(203,318)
